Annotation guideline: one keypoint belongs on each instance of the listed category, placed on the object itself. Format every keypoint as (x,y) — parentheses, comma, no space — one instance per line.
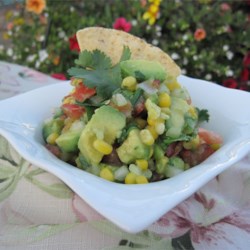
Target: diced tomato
(82,92)
(73,111)
(210,137)
(139,106)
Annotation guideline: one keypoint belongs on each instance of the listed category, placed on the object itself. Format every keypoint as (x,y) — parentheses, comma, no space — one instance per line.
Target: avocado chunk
(52,126)
(176,121)
(105,124)
(68,140)
(147,69)
(133,148)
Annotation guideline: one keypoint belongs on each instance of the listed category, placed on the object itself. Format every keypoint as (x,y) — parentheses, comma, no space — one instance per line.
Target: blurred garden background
(208,39)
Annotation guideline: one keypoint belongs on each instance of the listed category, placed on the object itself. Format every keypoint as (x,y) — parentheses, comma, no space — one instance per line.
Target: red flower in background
(230,83)
(122,24)
(73,44)
(59,76)
(200,34)
(244,75)
(246,60)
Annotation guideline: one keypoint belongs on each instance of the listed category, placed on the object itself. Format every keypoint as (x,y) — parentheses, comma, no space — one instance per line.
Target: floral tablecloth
(38,211)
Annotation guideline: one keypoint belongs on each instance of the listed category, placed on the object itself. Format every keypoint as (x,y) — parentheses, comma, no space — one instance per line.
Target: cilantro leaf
(97,71)
(93,60)
(203,115)
(105,81)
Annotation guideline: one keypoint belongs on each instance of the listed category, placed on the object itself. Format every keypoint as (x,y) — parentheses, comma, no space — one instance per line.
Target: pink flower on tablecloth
(83,211)
(59,76)
(216,217)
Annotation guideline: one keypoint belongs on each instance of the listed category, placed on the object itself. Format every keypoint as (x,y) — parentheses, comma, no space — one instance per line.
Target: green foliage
(42,41)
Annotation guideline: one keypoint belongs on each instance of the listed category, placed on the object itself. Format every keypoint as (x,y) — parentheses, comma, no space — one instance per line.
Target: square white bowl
(131,207)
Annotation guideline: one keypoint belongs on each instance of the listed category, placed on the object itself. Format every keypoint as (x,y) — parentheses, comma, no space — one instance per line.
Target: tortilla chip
(112,41)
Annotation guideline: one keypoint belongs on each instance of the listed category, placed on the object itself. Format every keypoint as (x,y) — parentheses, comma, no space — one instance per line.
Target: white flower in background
(30,58)
(229,55)
(158,28)
(134,22)
(208,76)
(26,49)
(148,27)
(42,54)
(37,64)
(185,37)
(10,52)
(41,38)
(10,33)
(195,57)
(186,50)
(72,9)
(155,42)
(158,33)
(185,61)
(184,71)
(1,47)
(225,47)
(229,72)
(15,13)
(62,34)
(175,56)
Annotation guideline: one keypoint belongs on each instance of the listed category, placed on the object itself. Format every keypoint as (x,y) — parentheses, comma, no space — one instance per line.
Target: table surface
(38,211)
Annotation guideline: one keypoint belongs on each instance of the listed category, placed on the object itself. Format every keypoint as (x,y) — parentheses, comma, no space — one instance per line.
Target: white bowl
(131,207)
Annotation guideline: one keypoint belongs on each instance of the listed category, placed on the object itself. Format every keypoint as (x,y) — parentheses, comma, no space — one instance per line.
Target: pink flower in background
(73,44)
(225,7)
(216,217)
(122,24)
(59,76)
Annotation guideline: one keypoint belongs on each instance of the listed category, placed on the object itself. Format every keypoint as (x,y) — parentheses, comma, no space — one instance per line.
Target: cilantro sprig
(97,71)
(203,115)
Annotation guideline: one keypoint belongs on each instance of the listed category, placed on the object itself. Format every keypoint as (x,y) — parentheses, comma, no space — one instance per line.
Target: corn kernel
(68,99)
(164,100)
(103,147)
(76,81)
(107,174)
(129,83)
(147,137)
(193,144)
(142,164)
(153,131)
(215,146)
(154,122)
(130,178)
(140,179)
(51,139)
(160,128)
(173,85)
